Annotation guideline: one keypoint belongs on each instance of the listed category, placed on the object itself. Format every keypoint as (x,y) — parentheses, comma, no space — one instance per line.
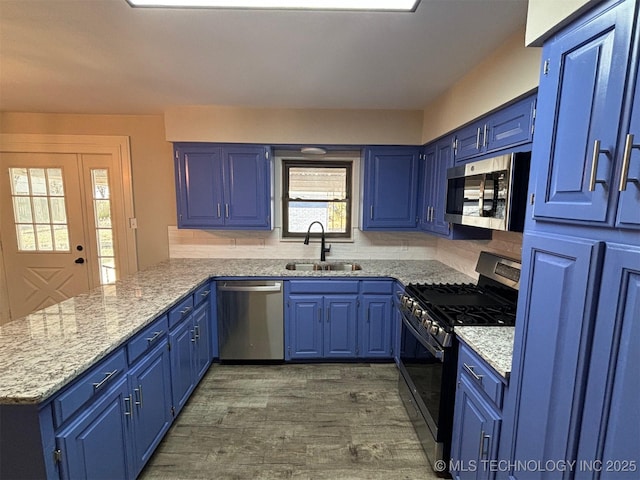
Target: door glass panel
(38,202)
(104,230)
(44,237)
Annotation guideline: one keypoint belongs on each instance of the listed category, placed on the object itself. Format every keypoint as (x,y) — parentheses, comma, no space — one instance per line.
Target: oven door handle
(434,350)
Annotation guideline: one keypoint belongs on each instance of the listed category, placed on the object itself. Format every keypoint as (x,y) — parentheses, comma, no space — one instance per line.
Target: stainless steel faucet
(323,250)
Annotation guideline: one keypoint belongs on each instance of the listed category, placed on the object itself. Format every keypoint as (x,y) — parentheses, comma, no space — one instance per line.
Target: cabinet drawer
(381,287)
(96,380)
(201,294)
(147,339)
(323,286)
(180,311)
(481,374)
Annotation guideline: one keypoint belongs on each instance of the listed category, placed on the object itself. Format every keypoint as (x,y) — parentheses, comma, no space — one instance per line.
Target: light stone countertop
(41,353)
(493,344)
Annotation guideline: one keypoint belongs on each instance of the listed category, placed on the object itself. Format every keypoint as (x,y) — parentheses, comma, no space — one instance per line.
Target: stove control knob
(435,330)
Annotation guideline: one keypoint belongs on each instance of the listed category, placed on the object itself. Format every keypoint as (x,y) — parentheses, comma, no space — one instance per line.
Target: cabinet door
(629,200)
(580,99)
(150,384)
(391,188)
(182,361)
(610,430)
(444,160)
(374,331)
(509,126)
(555,313)
(475,434)
(98,445)
(340,312)
(247,197)
(199,187)
(305,327)
(202,335)
(469,141)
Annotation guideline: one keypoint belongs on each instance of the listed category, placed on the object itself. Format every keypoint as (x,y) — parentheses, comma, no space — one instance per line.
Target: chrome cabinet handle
(205,293)
(626,159)
(103,382)
(478,139)
(594,165)
(486,135)
(196,330)
(127,405)
(185,311)
(431,217)
(469,369)
(218,210)
(371,212)
(138,392)
(193,336)
(156,335)
(484,451)
(226,210)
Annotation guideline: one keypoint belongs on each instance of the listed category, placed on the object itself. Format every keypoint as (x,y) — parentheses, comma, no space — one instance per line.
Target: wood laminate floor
(319,421)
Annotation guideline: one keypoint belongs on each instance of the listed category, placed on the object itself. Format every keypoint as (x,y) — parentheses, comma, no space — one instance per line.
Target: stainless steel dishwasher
(250,320)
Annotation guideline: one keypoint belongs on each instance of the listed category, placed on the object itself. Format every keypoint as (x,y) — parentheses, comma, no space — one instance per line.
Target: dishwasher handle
(271,287)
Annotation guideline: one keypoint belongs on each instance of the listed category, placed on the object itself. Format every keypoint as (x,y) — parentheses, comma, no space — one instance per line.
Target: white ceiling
(102,56)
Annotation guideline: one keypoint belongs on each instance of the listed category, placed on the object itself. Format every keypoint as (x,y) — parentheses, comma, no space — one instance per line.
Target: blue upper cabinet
(509,127)
(223,186)
(390,189)
(579,145)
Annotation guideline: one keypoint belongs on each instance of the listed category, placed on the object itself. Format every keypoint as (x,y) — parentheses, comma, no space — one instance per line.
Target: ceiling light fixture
(384,5)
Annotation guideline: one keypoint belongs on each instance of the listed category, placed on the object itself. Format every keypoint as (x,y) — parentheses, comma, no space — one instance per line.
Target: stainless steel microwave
(489,193)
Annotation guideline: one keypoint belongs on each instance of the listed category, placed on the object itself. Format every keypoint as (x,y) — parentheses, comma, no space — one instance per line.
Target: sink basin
(303,266)
(334,266)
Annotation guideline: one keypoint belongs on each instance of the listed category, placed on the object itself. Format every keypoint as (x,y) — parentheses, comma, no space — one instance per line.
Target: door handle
(79,260)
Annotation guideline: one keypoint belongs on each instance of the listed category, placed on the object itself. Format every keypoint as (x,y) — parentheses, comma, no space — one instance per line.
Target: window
(104,228)
(39,209)
(316,191)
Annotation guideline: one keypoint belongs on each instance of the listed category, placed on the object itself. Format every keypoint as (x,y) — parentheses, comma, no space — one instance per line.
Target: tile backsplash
(459,254)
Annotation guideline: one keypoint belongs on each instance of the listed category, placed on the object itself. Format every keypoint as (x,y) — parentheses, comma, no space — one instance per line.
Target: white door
(63,225)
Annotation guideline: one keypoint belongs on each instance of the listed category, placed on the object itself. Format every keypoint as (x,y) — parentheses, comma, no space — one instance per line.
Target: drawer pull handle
(205,293)
(485,442)
(196,331)
(127,405)
(103,382)
(594,165)
(185,311)
(156,335)
(473,374)
(138,392)
(193,336)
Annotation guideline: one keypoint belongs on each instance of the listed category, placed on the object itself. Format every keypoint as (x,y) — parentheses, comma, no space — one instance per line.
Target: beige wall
(544,17)
(151,159)
(295,126)
(511,71)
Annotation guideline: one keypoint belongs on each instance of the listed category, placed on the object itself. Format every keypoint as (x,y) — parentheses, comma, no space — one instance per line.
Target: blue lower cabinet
(340,328)
(202,336)
(150,385)
(321,327)
(98,444)
(182,363)
(375,326)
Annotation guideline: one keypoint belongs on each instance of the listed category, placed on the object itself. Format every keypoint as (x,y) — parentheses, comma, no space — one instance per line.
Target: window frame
(288,163)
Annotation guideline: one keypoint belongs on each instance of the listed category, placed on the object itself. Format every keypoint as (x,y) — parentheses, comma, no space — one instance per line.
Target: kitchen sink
(327,267)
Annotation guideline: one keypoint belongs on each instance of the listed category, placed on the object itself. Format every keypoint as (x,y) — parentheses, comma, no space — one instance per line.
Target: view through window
(316,191)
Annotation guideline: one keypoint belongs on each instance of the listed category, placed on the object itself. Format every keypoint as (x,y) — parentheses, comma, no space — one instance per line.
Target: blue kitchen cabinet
(305,327)
(553,327)
(98,445)
(477,417)
(202,336)
(181,340)
(375,329)
(580,109)
(341,312)
(506,128)
(437,158)
(610,431)
(223,186)
(390,188)
(150,385)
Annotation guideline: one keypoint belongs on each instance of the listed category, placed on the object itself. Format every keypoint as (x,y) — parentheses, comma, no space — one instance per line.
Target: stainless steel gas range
(428,353)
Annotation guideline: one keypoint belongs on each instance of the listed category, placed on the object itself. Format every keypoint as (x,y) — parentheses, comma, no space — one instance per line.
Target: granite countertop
(41,353)
(493,344)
